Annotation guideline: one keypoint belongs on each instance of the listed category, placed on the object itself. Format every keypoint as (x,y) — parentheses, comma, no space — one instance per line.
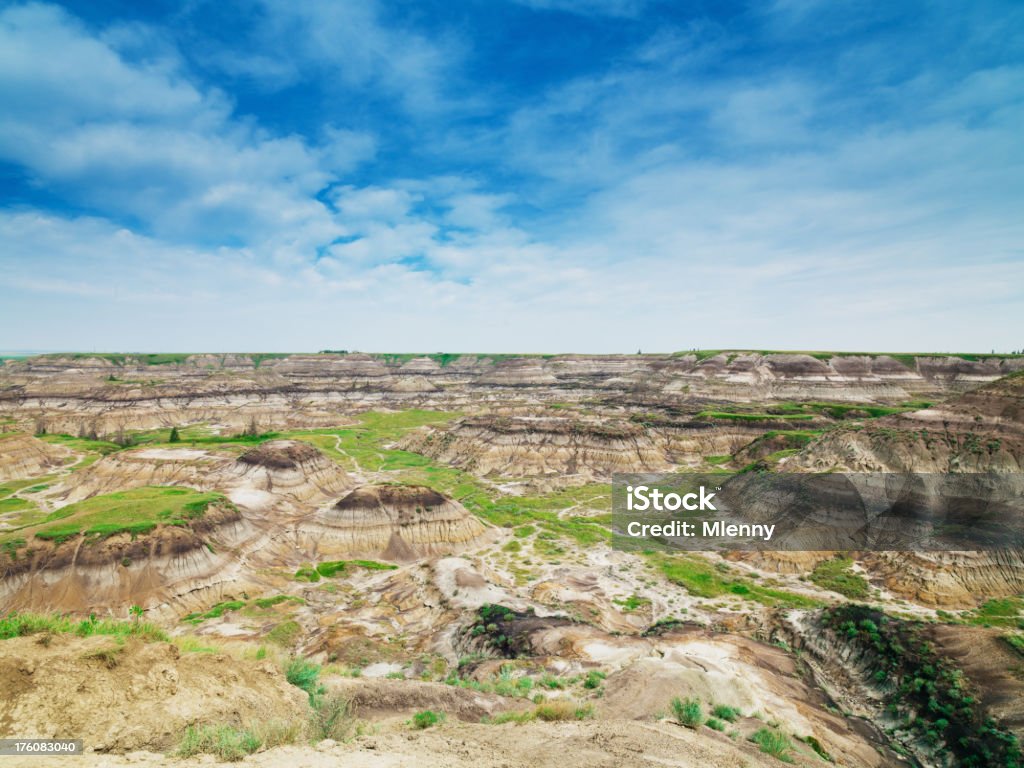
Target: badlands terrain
(405,560)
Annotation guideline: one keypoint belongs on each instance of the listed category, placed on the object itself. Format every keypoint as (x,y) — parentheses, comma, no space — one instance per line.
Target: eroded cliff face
(156,569)
(980,431)
(526,446)
(97,394)
(26,456)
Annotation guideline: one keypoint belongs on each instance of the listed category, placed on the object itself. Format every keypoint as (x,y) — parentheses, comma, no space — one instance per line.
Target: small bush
(715,724)
(333,717)
(427,719)
(593,679)
(224,741)
(305,675)
(688,712)
(725,712)
(773,743)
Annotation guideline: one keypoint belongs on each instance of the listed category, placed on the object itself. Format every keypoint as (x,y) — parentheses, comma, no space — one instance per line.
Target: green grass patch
(999,612)
(701,578)
(14,504)
(134,511)
(724,415)
(837,575)
(21,624)
(270,602)
(631,603)
(285,633)
(1016,642)
(82,444)
(215,612)
(305,675)
(774,743)
(227,742)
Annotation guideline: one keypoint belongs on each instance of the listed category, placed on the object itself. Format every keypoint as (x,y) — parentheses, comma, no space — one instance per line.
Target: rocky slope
(26,456)
(980,431)
(125,697)
(84,393)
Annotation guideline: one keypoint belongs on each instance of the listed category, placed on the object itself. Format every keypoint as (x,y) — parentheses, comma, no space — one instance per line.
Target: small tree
(175,437)
(136,613)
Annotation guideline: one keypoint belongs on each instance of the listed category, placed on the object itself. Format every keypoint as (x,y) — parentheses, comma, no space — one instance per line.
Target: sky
(512,175)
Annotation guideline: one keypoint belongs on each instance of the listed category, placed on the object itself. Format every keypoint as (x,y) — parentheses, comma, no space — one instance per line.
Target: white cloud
(672,208)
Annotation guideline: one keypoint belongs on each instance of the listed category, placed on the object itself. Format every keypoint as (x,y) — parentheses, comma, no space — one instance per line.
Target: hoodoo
(398,522)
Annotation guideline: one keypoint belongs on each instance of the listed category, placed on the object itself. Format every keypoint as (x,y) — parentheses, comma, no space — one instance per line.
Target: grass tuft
(428,718)
(688,712)
(773,743)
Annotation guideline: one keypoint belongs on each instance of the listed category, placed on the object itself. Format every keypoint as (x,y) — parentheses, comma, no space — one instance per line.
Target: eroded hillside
(408,534)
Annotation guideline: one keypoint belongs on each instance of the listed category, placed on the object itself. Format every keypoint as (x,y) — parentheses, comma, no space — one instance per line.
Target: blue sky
(512,175)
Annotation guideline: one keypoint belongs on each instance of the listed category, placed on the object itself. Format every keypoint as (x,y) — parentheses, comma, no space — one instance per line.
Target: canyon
(433,532)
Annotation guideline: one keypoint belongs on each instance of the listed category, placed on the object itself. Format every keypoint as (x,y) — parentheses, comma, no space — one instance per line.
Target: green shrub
(593,679)
(726,712)
(688,712)
(427,719)
(715,724)
(773,743)
(305,675)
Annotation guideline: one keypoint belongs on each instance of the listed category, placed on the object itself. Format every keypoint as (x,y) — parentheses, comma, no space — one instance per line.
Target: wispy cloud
(376,178)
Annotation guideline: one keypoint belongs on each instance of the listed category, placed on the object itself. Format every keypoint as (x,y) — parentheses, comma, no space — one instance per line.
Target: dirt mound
(100,573)
(289,468)
(375,699)
(132,696)
(397,522)
(280,454)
